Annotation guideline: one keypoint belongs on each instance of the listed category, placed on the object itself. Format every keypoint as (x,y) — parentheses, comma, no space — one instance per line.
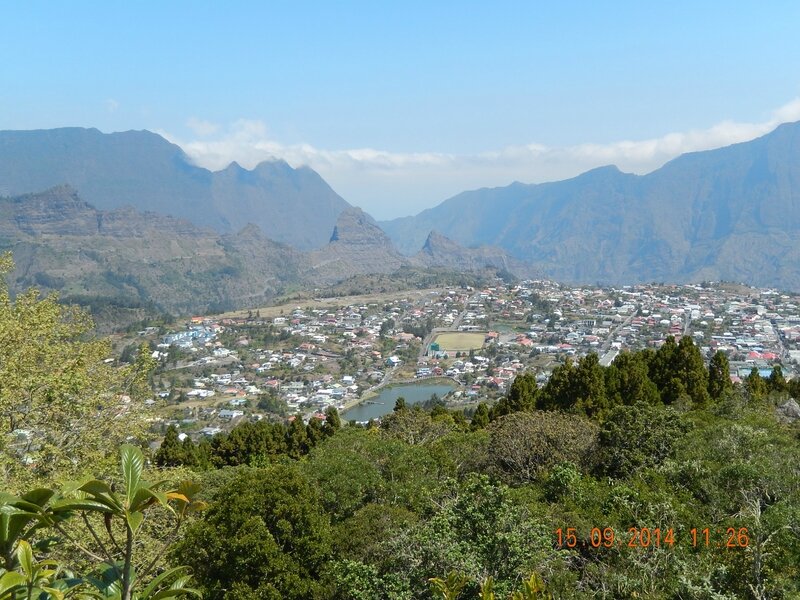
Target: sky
(400,105)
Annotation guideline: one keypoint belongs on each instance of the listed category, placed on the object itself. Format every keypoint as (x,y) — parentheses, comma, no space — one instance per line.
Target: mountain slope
(143,170)
(731,213)
(62,243)
(129,259)
(440,251)
(357,246)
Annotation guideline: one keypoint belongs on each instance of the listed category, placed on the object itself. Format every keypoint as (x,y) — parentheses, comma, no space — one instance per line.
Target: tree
(297,441)
(635,437)
(588,386)
(481,417)
(525,444)
(755,385)
(628,382)
(400,404)
(687,365)
(74,406)
(265,536)
(478,529)
(558,393)
(521,396)
(333,421)
(719,376)
(246,443)
(270,402)
(415,426)
(171,453)
(113,515)
(314,432)
(386,327)
(660,365)
(776,382)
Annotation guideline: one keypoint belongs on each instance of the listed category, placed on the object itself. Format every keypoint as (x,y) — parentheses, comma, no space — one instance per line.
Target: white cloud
(390,184)
(201,127)
(112,105)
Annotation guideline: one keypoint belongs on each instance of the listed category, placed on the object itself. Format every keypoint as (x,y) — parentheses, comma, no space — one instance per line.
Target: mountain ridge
(127,257)
(144,170)
(731,213)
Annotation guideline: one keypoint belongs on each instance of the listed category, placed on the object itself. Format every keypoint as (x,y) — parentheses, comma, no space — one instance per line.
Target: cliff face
(143,170)
(732,213)
(442,252)
(62,243)
(357,246)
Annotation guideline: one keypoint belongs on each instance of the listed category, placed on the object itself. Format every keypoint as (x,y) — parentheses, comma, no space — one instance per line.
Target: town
(460,345)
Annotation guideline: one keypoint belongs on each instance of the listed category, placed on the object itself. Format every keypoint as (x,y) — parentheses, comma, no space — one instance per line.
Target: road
(607,344)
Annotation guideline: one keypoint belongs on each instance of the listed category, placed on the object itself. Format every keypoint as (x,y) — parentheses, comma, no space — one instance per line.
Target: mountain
(143,170)
(357,246)
(128,258)
(440,251)
(731,213)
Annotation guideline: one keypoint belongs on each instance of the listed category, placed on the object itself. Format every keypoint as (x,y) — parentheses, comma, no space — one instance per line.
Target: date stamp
(652,537)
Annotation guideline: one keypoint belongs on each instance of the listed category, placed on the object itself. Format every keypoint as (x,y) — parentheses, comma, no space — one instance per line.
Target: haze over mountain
(441,251)
(731,213)
(128,258)
(143,170)
(61,242)
(358,246)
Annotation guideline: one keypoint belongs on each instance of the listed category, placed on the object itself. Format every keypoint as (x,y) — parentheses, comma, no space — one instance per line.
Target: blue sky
(400,105)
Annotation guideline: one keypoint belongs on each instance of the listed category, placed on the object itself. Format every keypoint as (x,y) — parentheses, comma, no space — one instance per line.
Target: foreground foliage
(30,524)
(63,405)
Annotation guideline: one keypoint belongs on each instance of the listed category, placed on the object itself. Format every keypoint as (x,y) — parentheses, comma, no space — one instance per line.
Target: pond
(383,403)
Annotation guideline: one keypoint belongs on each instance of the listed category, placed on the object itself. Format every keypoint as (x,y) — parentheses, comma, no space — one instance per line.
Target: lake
(383,403)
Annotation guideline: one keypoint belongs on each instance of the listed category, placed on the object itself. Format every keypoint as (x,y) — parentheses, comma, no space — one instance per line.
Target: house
(230,414)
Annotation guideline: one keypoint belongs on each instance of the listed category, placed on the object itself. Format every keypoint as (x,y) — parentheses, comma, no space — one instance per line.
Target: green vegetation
(63,405)
(113,516)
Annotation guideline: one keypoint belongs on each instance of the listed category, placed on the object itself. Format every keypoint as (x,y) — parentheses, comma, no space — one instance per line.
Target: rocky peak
(58,210)
(441,251)
(357,246)
(437,243)
(355,227)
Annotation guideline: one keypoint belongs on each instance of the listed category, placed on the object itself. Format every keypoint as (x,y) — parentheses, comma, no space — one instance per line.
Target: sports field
(460,341)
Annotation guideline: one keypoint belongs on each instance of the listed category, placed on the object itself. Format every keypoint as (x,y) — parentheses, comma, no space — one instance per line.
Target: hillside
(60,242)
(357,247)
(143,170)
(442,252)
(731,213)
(126,258)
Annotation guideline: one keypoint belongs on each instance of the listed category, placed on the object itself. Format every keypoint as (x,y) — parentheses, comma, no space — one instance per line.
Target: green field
(460,341)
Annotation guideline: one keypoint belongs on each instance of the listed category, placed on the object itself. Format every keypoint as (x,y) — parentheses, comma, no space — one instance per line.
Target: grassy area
(460,341)
(287,307)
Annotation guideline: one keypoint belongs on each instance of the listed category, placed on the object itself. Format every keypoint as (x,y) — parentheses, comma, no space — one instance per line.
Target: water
(413,393)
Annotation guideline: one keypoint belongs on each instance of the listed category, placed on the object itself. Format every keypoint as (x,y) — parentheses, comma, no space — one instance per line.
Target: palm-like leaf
(19,517)
(132,461)
(487,589)
(45,579)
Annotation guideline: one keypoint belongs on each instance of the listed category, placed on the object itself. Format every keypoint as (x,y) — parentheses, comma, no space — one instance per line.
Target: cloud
(201,127)
(112,105)
(390,184)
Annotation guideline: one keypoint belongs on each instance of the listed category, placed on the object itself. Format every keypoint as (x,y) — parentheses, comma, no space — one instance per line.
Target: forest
(655,477)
